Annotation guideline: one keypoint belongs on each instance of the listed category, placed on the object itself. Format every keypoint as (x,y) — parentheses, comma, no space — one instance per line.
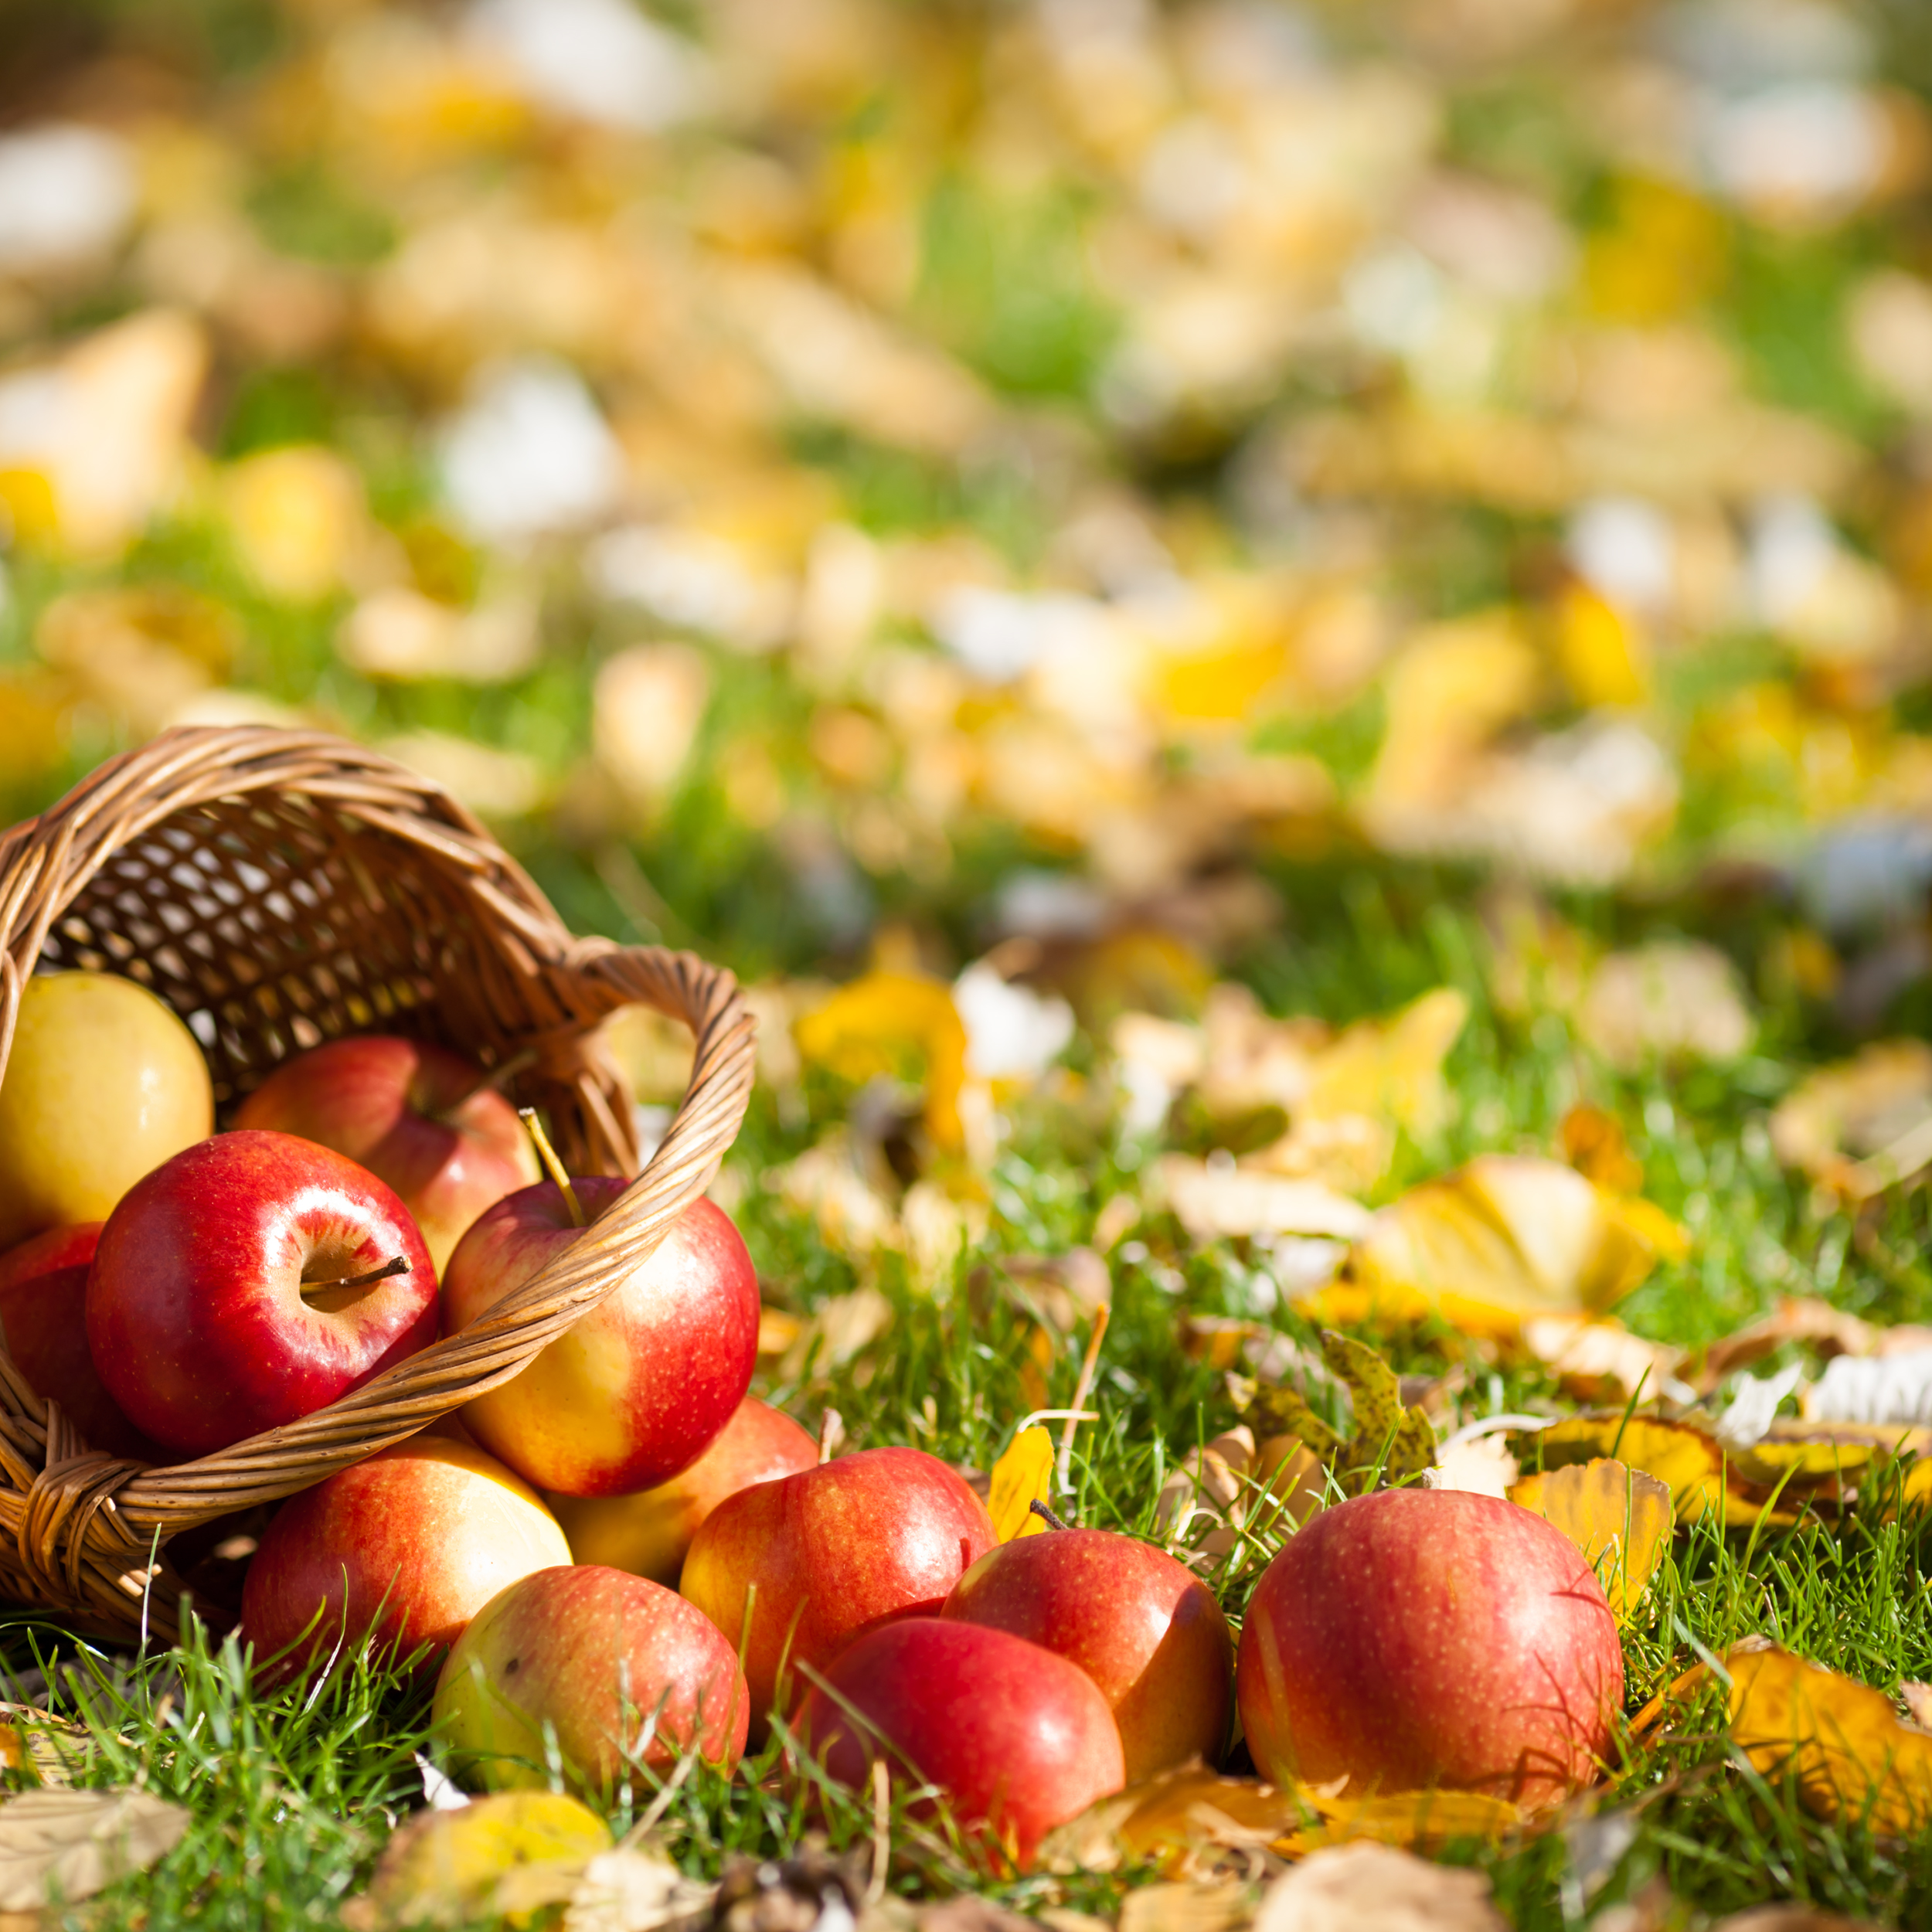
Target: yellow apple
(103,1084)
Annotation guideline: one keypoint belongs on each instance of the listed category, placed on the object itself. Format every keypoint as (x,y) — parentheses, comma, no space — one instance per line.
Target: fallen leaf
(1371,1887)
(1671,999)
(1846,1123)
(1599,1361)
(1620,1518)
(1886,1390)
(1022,1476)
(1690,1464)
(1841,1741)
(1169,1818)
(66,1845)
(1481,1465)
(1217,1905)
(1388,1443)
(1797,1318)
(445,1867)
(1792,1918)
(897,1026)
(49,1749)
(1509,1236)
(1917,1698)
(1216,1202)
(1593,1142)
(1411,1820)
(630,1890)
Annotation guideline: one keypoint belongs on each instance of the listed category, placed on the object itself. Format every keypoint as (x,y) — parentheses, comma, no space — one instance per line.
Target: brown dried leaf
(1171,1817)
(68,1845)
(1599,1361)
(1370,1887)
(1846,1123)
(1217,1905)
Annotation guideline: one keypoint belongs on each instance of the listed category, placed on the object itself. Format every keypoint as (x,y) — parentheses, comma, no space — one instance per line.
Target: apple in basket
(1423,1638)
(416,1116)
(638,1388)
(408,1545)
(793,1571)
(648,1533)
(102,1084)
(43,1314)
(1020,1740)
(623,1674)
(1143,1627)
(252,1278)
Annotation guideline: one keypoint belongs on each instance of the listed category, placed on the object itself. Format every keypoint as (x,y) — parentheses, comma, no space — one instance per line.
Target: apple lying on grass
(625,1675)
(794,1570)
(648,1533)
(1421,1637)
(102,1084)
(251,1280)
(1143,1627)
(636,1390)
(416,1116)
(1020,1740)
(43,1316)
(409,1545)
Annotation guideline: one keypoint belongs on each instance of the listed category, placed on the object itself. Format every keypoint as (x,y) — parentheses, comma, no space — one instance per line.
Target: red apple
(636,1390)
(409,1545)
(43,1314)
(1143,1627)
(1420,1638)
(648,1533)
(829,1553)
(224,1298)
(617,1666)
(415,1115)
(1020,1740)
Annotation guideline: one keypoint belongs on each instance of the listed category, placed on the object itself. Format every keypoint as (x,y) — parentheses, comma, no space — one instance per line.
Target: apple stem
(547,1154)
(491,1082)
(397,1264)
(1055,1521)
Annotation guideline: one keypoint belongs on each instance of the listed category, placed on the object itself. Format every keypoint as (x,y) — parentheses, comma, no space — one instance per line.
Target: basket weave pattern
(278,888)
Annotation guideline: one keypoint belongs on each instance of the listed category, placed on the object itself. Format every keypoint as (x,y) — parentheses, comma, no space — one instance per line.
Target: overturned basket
(278,888)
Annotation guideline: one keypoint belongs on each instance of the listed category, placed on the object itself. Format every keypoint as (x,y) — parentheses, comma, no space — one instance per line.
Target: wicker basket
(281,888)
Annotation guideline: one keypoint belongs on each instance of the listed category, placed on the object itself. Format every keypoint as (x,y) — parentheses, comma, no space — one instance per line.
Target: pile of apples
(619,1556)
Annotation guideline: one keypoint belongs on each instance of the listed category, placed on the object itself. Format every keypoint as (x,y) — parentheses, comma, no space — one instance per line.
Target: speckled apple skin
(408,1545)
(1143,1627)
(1020,1739)
(43,1313)
(410,1112)
(639,1388)
(648,1534)
(1421,1637)
(595,1651)
(195,1318)
(881,1534)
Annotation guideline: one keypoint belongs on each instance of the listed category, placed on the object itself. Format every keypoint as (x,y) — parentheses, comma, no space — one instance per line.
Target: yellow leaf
(1167,1817)
(1604,657)
(1685,1460)
(899,1026)
(447,1868)
(1509,1236)
(1389,1068)
(1419,1820)
(1620,1518)
(1851,1756)
(1022,1476)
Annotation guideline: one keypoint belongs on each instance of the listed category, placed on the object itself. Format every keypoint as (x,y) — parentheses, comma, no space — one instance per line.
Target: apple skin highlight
(640,1386)
(1417,1638)
(196,1319)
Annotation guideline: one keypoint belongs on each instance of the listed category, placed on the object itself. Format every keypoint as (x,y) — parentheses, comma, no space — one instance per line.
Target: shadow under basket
(281,888)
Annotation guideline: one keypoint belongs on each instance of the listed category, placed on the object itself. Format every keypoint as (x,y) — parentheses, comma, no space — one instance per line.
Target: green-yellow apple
(648,1533)
(795,1570)
(624,1673)
(1423,1638)
(408,1545)
(1020,1740)
(252,1279)
(416,1116)
(636,1389)
(102,1084)
(43,1314)
(1144,1627)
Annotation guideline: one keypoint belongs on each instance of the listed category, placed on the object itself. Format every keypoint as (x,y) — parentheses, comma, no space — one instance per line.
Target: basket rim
(88,1522)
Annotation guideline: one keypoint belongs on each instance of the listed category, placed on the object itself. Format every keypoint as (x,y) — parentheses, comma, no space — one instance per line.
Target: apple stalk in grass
(251,1280)
(427,1121)
(638,1388)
